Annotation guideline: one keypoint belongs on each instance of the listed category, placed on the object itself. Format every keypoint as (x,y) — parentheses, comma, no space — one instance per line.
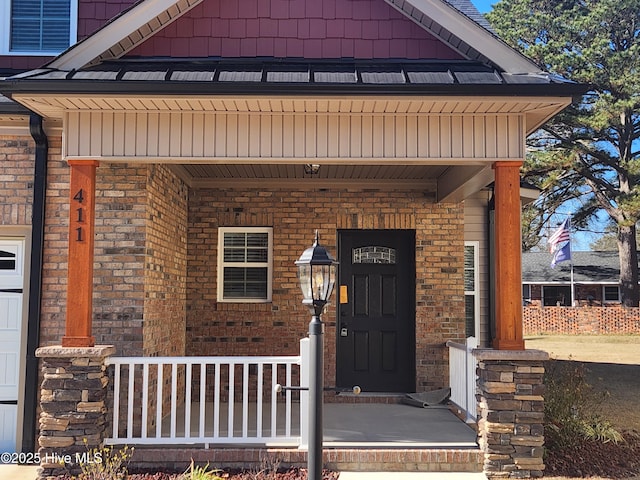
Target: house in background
(596,279)
(180,157)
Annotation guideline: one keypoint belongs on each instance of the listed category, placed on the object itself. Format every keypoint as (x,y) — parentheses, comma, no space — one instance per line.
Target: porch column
(508,254)
(81,237)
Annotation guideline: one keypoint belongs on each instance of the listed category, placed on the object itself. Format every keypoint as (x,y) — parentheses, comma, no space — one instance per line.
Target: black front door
(376,310)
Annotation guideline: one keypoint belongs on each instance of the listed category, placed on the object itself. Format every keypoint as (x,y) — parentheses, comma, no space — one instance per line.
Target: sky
(580,240)
(484,5)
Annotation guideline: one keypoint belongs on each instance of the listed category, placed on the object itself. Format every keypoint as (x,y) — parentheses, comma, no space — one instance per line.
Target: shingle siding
(304,28)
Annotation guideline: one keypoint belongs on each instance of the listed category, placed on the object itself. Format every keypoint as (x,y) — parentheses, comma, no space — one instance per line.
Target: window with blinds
(41,26)
(244,264)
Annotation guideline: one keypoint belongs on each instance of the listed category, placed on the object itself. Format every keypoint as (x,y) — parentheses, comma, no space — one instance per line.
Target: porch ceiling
(413,177)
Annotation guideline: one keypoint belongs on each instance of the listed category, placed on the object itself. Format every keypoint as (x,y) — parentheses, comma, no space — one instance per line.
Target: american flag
(562,234)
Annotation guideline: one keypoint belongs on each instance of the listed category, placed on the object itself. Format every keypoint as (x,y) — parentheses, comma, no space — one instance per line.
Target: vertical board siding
(476,229)
(288,135)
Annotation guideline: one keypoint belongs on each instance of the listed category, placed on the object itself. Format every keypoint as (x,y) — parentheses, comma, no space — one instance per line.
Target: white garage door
(11,283)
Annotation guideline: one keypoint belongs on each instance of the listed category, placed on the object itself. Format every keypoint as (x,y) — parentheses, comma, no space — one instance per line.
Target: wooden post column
(81,238)
(508,254)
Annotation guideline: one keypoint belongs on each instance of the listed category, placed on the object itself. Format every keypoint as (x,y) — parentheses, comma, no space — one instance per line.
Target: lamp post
(317,276)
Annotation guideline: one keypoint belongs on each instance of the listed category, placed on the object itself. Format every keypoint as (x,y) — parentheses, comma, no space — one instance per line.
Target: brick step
(348,397)
(357,459)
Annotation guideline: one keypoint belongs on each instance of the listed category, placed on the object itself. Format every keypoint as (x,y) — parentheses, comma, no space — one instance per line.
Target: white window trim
(476,283)
(13,278)
(604,299)
(222,264)
(5,29)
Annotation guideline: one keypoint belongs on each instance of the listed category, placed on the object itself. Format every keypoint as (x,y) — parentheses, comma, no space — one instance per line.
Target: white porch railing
(462,376)
(206,400)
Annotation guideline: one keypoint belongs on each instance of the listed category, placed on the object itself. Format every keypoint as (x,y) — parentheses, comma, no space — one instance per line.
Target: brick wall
(582,320)
(165,279)
(16,179)
(155,262)
(216,328)
(139,262)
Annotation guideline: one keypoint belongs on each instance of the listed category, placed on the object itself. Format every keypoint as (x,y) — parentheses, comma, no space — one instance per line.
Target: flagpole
(561,254)
(573,295)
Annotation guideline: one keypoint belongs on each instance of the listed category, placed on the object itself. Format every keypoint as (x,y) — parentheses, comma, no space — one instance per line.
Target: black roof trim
(9,107)
(290,76)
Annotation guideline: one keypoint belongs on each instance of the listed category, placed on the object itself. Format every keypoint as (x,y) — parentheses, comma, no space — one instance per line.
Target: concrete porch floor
(349,425)
(394,425)
(358,437)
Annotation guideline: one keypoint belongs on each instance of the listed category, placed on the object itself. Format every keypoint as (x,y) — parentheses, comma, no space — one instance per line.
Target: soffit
(405,177)
(288,86)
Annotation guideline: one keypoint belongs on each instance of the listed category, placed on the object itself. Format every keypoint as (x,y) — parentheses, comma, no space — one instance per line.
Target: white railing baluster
(187,401)
(259,399)
(159,400)
(232,399)
(287,416)
(274,401)
(245,400)
(216,402)
(130,401)
(145,399)
(203,397)
(140,402)
(174,398)
(116,400)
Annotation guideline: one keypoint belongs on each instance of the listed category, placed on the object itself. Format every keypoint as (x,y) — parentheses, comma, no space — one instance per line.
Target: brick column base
(73,413)
(511,412)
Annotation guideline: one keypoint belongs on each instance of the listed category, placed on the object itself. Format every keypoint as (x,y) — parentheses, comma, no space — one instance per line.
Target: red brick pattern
(216,328)
(16,179)
(119,258)
(165,279)
(581,320)
(342,459)
(302,29)
(156,252)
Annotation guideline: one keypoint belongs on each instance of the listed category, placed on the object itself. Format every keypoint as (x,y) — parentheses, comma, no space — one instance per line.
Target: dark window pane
(234,239)
(257,255)
(470,315)
(245,282)
(7,260)
(40,24)
(257,240)
(234,255)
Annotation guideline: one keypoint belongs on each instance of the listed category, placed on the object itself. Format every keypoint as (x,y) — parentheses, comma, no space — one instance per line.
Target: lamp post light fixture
(317,276)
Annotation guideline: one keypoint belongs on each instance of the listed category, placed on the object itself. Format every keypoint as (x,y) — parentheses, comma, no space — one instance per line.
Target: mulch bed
(594,459)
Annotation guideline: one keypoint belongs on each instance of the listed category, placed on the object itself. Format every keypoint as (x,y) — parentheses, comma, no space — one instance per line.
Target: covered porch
(153,181)
(244,401)
(252,423)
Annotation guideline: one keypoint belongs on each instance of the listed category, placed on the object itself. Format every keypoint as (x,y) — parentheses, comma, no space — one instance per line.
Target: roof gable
(440,18)
(310,29)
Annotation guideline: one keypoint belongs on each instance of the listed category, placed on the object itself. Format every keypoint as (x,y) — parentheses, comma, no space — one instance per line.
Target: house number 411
(79,197)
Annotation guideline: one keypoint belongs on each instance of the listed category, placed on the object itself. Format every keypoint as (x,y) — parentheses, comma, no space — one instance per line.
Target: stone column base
(511,412)
(73,407)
